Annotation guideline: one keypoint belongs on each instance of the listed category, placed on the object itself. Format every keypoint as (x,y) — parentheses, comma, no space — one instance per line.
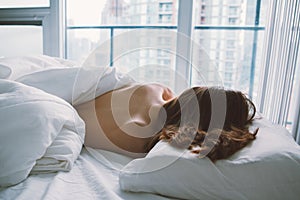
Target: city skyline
(230,52)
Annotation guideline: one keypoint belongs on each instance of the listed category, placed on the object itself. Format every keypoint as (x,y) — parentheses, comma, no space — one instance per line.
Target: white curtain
(280,62)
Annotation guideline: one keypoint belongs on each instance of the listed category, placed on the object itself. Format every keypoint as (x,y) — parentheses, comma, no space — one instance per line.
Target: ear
(167,94)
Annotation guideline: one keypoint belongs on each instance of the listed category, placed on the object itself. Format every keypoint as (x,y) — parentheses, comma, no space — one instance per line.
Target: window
(226,30)
(234,33)
(232,20)
(112,26)
(30,41)
(38,25)
(232,10)
(165,7)
(227,77)
(230,44)
(162,53)
(164,40)
(229,55)
(228,66)
(165,18)
(202,20)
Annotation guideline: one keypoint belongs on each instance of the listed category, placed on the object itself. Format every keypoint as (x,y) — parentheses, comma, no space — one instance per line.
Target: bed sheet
(95,175)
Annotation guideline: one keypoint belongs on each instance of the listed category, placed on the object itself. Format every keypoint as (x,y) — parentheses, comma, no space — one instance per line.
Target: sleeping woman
(132,119)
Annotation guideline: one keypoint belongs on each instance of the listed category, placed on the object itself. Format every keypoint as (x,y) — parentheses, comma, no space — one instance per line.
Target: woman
(132,119)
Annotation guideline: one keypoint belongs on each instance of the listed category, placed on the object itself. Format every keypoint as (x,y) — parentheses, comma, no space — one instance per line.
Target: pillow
(268,168)
(39,133)
(14,67)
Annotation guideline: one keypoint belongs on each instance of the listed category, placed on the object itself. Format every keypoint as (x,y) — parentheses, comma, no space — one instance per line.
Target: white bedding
(39,132)
(36,115)
(14,67)
(94,176)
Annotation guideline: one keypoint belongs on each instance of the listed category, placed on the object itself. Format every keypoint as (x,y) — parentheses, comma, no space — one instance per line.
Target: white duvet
(39,132)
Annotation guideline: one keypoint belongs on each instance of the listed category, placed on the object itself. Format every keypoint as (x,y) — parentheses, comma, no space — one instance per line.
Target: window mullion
(183,48)
(54,30)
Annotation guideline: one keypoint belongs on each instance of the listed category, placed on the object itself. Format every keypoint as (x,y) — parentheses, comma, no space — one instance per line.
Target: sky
(86,12)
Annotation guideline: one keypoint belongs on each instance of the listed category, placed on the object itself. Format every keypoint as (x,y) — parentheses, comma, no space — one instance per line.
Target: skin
(124,120)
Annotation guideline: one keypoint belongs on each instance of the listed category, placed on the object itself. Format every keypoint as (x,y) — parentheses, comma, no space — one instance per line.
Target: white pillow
(39,132)
(14,67)
(268,168)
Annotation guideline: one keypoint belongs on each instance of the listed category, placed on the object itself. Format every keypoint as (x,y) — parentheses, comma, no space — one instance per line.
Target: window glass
(20,40)
(24,4)
(137,12)
(155,63)
(228,12)
(82,41)
(234,54)
(92,26)
(218,55)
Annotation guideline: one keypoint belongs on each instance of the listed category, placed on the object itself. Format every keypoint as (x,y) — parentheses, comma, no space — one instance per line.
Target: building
(230,51)
(220,57)
(151,59)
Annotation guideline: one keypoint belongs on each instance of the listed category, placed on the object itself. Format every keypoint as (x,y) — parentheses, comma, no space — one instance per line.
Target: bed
(42,154)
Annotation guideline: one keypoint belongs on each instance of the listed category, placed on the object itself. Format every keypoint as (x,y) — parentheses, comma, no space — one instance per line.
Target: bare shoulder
(150,93)
(153,87)
(156,87)
(166,92)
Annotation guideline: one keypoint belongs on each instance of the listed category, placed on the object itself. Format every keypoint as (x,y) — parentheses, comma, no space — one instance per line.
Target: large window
(227,38)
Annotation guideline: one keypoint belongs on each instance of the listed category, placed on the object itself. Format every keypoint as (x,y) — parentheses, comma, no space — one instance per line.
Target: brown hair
(207,138)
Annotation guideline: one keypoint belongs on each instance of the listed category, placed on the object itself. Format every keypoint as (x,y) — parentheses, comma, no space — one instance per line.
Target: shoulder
(148,92)
(156,87)
(145,89)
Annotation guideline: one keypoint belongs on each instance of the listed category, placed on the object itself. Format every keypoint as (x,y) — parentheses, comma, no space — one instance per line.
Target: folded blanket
(39,132)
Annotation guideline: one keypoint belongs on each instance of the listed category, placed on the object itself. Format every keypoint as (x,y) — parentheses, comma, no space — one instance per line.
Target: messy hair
(205,139)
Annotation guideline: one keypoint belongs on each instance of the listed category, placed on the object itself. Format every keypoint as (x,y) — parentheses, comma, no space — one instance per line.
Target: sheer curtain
(280,63)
